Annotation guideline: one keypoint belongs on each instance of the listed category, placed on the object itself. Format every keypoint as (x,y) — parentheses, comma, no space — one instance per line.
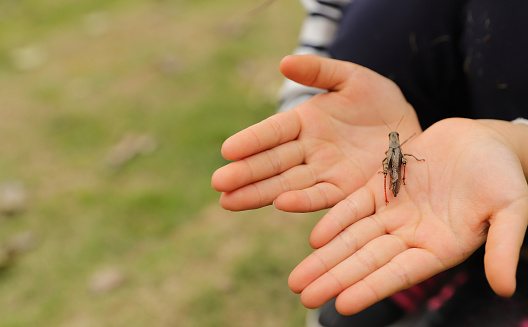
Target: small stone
(29,57)
(14,247)
(22,242)
(106,280)
(13,198)
(130,146)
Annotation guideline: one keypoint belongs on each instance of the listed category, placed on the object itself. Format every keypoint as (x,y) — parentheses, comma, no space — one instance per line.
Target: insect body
(393,163)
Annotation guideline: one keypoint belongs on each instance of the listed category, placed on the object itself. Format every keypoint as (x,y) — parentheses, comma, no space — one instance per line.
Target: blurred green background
(112,114)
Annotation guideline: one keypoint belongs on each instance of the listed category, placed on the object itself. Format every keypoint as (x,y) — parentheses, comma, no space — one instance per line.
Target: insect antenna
(399,122)
(386,125)
(390,129)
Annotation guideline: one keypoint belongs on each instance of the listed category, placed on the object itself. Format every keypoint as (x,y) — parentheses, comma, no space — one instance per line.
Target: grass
(187,73)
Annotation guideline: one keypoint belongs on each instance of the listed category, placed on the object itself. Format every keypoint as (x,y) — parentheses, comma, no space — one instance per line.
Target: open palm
(471,189)
(316,154)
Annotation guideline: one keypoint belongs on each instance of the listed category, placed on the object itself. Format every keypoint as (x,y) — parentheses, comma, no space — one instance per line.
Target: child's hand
(471,189)
(316,154)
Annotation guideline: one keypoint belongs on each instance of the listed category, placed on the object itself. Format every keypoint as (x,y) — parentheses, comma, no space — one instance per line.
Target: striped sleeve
(317,33)
(521,121)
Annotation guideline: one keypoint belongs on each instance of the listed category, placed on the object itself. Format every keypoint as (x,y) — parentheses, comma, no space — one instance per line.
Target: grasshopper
(393,162)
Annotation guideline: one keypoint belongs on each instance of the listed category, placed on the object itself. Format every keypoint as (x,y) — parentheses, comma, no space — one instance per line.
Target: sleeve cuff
(521,121)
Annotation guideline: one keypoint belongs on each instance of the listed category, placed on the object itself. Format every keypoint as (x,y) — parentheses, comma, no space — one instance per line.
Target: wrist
(521,125)
(515,135)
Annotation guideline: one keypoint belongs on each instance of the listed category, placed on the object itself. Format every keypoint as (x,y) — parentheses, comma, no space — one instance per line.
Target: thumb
(319,72)
(373,97)
(505,238)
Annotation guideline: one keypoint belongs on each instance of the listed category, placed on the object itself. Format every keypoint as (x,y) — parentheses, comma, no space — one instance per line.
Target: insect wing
(395,162)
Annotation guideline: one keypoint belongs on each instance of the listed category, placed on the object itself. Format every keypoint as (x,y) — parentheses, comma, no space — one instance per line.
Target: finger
(358,205)
(505,238)
(317,197)
(338,250)
(317,72)
(365,261)
(258,167)
(275,130)
(356,84)
(405,270)
(264,192)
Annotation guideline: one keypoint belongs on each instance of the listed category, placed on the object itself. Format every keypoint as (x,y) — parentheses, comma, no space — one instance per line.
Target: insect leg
(385,163)
(407,139)
(404,163)
(385,186)
(412,155)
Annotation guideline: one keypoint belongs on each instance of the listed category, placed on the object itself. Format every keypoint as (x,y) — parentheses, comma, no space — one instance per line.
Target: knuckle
(277,129)
(274,160)
(350,207)
(320,197)
(348,239)
(374,292)
(258,193)
(402,274)
(324,197)
(284,184)
(367,258)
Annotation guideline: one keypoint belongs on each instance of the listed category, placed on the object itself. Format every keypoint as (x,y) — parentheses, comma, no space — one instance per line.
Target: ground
(112,114)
